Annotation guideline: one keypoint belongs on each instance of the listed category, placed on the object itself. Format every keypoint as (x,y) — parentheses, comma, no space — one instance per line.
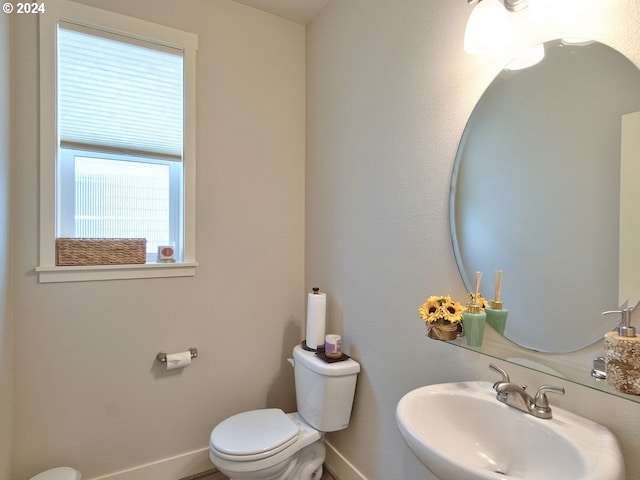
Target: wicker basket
(100,251)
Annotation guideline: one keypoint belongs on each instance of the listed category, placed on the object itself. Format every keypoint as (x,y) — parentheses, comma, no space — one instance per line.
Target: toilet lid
(254,434)
(59,473)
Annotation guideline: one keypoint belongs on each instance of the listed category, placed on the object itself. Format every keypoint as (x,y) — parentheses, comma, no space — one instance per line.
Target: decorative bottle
(497,316)
(474,318)
(622,354)
(496,313)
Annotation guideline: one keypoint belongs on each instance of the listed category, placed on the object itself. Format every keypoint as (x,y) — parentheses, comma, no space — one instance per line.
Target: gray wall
(389,90)
(88,391)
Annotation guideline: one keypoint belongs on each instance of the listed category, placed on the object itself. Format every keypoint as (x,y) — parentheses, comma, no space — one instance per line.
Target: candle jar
(333,346)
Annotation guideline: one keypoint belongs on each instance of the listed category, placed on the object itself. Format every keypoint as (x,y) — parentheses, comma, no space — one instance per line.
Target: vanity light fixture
(489,28)
(511,5)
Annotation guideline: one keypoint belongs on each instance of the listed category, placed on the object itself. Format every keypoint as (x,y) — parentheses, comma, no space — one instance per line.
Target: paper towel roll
(316,318)
(178,360)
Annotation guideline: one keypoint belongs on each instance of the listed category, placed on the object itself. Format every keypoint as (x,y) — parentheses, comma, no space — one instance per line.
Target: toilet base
(306,464)
(309,462)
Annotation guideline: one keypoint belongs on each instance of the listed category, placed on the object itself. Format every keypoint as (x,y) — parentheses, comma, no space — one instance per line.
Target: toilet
(269,444)
(59,473)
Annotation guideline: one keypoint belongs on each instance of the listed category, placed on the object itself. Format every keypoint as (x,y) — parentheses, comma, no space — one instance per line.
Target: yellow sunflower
(441,309)
(453,311)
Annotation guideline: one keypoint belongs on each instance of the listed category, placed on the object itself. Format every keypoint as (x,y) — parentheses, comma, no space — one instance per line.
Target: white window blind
(122,199)
(120,94)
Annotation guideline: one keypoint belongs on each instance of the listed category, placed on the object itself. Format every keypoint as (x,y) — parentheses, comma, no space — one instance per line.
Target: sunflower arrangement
(441,309)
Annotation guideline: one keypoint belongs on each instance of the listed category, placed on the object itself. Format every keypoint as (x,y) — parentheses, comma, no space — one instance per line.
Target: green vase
(497,319)
(474,327)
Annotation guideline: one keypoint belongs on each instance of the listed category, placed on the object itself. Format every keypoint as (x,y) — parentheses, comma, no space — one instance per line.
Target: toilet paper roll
(178,360)
(316,318)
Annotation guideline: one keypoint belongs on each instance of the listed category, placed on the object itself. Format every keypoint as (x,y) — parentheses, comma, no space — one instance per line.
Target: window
(124,97)
(117,161)
(117,196)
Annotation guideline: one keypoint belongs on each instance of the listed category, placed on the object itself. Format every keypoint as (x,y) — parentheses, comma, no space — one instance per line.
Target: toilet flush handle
(291,361)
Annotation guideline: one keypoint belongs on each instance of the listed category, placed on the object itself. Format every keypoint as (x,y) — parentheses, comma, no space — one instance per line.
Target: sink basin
(459,431)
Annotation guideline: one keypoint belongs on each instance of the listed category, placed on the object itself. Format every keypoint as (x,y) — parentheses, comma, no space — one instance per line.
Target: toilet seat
(254,435)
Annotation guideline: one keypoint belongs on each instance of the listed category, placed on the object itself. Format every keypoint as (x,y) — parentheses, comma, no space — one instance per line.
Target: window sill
(56,274)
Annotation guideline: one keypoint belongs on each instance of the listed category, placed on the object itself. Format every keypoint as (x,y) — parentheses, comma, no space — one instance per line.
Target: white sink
(460,431)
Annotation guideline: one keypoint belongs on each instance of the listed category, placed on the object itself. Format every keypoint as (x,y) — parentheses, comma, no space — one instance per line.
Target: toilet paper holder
(162,356)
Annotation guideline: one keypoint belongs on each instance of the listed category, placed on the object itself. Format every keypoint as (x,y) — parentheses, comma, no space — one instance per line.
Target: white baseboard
(192,463)
(339,466)
(172,468)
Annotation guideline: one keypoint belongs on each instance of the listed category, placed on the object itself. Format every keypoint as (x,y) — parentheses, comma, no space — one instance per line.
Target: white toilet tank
(324,391)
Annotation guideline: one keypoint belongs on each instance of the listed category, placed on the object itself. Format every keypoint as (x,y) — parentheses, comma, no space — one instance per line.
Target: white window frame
(63,10)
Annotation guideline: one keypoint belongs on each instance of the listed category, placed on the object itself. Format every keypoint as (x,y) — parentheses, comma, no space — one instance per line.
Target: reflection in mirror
(536,192)
(630,211)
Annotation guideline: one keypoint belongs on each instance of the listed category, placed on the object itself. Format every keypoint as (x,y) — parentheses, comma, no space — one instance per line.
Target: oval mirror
(535,192)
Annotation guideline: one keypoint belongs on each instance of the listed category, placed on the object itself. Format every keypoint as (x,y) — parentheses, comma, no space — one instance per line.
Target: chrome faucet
(516,396)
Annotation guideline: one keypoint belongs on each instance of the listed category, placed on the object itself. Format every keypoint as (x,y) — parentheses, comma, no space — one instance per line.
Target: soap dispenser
(496,313)
(622,354)
(474,318)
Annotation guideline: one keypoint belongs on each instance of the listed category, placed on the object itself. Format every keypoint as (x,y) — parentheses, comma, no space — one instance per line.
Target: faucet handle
(502,396)
(540,400)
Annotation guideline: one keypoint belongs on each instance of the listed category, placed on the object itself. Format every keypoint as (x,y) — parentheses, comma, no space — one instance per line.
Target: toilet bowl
(266,444)
(269,444)
(59,473)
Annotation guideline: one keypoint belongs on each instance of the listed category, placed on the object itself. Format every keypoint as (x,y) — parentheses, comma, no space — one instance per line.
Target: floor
(220,476)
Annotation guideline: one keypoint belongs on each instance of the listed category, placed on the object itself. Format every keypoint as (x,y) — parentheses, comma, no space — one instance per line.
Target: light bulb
(488,29)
